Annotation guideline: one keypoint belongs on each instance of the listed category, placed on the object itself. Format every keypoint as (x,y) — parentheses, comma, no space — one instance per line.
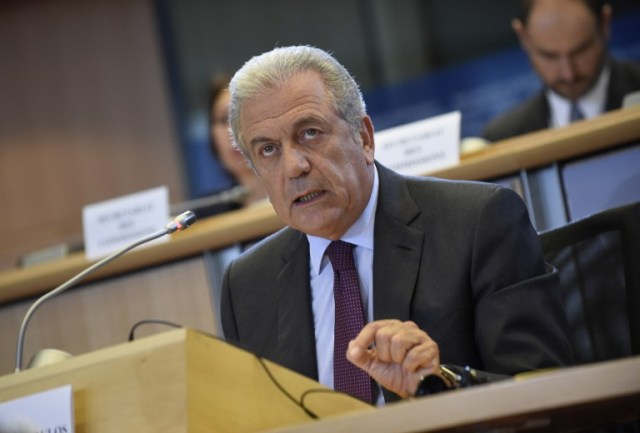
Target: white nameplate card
(113,224)
(420,147)
(48,411)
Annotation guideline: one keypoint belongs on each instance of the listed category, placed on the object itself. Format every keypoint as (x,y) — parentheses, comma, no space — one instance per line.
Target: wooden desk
(564,400)
(547,146)
(202,385)
(177,381)
(207,234)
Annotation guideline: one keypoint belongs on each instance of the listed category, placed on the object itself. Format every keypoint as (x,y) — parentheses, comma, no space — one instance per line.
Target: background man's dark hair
(595,6)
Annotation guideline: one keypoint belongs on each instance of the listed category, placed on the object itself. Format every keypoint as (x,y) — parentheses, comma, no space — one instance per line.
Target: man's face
(318,174)
(565,45)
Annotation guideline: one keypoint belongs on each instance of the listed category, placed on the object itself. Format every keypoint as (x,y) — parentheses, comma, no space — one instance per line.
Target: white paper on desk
(111,225)
(420,147)
(48,411)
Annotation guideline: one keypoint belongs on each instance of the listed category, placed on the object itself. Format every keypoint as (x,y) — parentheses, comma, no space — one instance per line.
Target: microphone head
(181,222)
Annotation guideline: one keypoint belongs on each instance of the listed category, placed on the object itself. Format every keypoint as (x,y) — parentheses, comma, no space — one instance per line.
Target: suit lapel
(397,248)
(540,115)
(296,335)
(616,88)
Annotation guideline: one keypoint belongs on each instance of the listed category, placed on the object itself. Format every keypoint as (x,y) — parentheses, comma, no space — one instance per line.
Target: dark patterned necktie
(348,323)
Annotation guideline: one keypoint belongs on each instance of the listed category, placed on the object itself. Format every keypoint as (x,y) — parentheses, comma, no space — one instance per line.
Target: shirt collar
(591,104)
(359,234)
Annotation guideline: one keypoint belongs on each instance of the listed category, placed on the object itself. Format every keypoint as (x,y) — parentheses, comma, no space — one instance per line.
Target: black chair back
(598,258)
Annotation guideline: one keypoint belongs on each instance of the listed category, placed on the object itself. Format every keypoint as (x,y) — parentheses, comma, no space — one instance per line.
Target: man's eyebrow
(259,140)
(300,123)
(308,120)
(582,47)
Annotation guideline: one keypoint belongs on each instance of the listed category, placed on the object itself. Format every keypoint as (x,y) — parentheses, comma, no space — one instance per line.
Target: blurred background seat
(598,258)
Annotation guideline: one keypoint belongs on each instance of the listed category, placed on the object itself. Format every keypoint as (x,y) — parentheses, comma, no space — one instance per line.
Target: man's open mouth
(308,197)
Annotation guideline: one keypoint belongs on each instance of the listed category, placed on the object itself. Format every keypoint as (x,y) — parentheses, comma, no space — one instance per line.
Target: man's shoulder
(632,68)
(446,193)
(431,194)
(518,119)
(625,75)
(441,206)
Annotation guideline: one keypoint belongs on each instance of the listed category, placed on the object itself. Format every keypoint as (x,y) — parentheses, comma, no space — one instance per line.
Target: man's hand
(395,354)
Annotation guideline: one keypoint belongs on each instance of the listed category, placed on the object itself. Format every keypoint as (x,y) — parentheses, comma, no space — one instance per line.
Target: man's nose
(567,68)
(295,161)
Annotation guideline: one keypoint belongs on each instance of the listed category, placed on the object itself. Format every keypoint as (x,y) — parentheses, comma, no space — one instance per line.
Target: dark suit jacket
(533,114)
(459,258)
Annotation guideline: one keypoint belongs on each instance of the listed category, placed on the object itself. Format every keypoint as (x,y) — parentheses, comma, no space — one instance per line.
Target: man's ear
(368,140)
(521,32)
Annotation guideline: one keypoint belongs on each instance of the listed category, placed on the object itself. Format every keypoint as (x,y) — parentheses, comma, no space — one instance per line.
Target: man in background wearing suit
(566,41)
(448,271)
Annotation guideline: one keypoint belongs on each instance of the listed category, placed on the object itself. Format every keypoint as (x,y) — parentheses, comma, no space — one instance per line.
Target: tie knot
(575,113)
(341,256)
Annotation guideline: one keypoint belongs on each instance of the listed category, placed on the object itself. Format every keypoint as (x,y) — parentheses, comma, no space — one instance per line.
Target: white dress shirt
(591,104)
(361,235)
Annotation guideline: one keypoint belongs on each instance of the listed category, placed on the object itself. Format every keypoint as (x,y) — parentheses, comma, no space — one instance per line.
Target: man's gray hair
(273,69)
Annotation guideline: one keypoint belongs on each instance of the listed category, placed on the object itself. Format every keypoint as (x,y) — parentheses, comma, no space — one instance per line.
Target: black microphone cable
(151,321)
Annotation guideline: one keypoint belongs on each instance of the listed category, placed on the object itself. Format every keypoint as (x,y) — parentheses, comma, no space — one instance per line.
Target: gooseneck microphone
(234,195)
(181,222)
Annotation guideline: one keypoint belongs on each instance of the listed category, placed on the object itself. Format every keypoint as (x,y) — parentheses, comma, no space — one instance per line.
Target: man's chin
(571,92)
(323,230)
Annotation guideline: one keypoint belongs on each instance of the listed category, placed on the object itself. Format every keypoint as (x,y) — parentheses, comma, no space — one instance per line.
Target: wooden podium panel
(179,381)
(185,381)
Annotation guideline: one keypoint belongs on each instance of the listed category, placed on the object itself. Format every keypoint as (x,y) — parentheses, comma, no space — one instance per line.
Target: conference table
(204,384)
(572,399)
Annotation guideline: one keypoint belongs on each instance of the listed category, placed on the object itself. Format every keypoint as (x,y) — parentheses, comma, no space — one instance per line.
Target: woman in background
(233,162)
(230,158)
